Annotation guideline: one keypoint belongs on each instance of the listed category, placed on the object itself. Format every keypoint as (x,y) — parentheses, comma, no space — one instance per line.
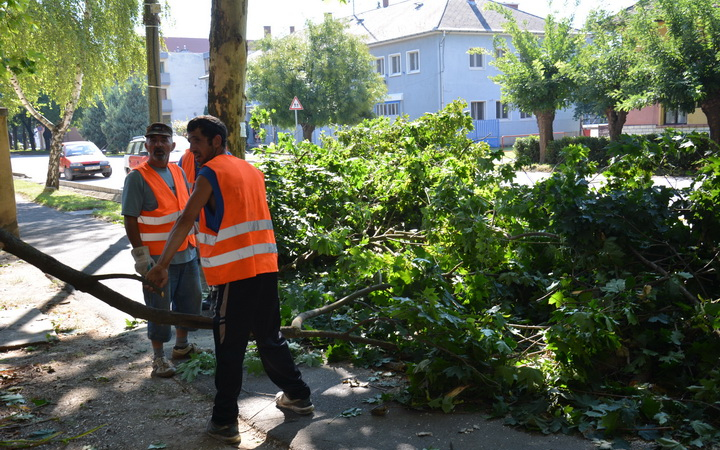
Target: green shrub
(527,150)
(596,145)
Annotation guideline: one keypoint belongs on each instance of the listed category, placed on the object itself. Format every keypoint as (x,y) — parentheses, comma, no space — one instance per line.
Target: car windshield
(77,150)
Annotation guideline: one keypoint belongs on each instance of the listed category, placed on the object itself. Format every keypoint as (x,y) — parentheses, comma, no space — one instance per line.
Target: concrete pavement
(342,419)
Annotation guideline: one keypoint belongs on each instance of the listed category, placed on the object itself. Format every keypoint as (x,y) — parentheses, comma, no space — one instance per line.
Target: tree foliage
(537,71)
(86,45)
(14,16)
(127,113)
(329,71)
(605,73)
(679,42)
(560,306)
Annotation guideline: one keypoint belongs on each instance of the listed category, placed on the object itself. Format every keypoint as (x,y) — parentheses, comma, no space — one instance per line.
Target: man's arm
(199,197)
(133,231)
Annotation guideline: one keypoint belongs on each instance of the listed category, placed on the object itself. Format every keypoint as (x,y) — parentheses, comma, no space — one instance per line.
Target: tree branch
(91,284)
(298,321)
(664,273)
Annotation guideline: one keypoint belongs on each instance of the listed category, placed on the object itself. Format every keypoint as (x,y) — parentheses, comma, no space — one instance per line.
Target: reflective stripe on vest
(155,226)
(170,218)
(233,231)
(236,255)
(244,246)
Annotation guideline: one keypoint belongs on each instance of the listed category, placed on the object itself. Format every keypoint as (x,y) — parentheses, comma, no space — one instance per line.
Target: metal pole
(151,19)
(296,129)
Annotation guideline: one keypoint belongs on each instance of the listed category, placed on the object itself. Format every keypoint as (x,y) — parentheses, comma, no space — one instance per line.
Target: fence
(486,131)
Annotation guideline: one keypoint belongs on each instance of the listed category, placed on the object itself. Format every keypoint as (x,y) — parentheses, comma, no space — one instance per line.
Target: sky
(191,18)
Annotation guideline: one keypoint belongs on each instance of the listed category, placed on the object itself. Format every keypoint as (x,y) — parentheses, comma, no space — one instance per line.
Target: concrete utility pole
(151,19)
(8,208)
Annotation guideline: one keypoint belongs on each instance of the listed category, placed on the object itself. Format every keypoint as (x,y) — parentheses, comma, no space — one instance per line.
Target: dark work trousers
(243,307)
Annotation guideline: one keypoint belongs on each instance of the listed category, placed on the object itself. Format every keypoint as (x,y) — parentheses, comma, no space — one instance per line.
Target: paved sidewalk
(97,247)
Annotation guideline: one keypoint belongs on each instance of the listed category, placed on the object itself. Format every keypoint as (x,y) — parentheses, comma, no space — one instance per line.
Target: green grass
(64,201)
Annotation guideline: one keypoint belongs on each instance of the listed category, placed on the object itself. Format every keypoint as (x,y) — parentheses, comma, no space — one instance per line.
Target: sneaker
(184,353)
(162,368)
(300,406)
(224,433)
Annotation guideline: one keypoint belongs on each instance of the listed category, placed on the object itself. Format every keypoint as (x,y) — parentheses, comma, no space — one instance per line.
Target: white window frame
(475,59)
(380,65)
(525,115)
(502,111)
(499,53)
(395,57)
(387,109)
(409,64)
(476,107)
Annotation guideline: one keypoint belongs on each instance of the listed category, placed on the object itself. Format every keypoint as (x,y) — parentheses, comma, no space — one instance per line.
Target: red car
(83,158)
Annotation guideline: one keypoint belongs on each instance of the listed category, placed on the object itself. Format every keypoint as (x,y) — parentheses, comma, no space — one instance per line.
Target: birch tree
(86,46)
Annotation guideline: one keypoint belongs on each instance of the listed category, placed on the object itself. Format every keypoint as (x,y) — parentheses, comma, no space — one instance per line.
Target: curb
(116,193)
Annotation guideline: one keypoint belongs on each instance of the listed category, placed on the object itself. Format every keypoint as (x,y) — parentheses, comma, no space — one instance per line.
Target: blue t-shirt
(137,196)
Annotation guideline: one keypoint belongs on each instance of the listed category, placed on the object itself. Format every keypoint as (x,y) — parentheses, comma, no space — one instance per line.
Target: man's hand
(143,261)
(158,275)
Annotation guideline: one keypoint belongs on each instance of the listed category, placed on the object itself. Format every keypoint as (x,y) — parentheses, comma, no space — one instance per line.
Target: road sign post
(296,106)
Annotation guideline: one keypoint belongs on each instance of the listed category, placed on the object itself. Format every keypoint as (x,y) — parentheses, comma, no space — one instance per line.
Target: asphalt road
(35,167)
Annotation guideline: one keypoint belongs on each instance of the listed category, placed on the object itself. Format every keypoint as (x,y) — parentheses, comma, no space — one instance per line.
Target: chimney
(292,29)
(267,31)
(512,5)
(386,3)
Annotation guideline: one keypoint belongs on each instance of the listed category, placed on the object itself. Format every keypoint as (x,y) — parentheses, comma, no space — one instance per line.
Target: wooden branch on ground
(91,284)
(664,273)
(298,321)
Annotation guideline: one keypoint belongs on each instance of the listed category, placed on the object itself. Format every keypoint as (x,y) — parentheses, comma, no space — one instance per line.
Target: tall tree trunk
(307,130)
(616,120)
(228,64)
(711,107)
(545,121)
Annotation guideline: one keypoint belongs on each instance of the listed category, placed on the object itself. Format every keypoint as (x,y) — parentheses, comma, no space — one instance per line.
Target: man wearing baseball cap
(154,195)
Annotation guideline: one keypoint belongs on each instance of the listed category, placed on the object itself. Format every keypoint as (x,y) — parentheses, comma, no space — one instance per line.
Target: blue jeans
(182,294)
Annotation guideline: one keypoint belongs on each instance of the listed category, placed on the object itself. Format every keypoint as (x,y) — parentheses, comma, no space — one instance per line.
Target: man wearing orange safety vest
(153,197)
(238,255)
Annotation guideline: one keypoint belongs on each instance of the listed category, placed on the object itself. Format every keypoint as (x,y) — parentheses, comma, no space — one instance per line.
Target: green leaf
(351,412)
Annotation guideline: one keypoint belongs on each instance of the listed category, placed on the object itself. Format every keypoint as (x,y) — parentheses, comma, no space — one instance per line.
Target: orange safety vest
(188,166)
(155,225)
(244,246)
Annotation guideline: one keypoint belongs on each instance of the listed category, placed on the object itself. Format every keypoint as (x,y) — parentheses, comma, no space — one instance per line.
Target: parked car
(136,153)
(83,158)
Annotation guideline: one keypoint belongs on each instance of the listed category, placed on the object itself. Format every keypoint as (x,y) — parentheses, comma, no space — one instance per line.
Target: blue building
(422,48)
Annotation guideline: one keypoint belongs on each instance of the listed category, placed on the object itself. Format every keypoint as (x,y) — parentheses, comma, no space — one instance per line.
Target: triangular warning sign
(295,105)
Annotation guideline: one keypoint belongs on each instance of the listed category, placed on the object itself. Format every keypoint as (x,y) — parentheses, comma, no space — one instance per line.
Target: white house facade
(182,78)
